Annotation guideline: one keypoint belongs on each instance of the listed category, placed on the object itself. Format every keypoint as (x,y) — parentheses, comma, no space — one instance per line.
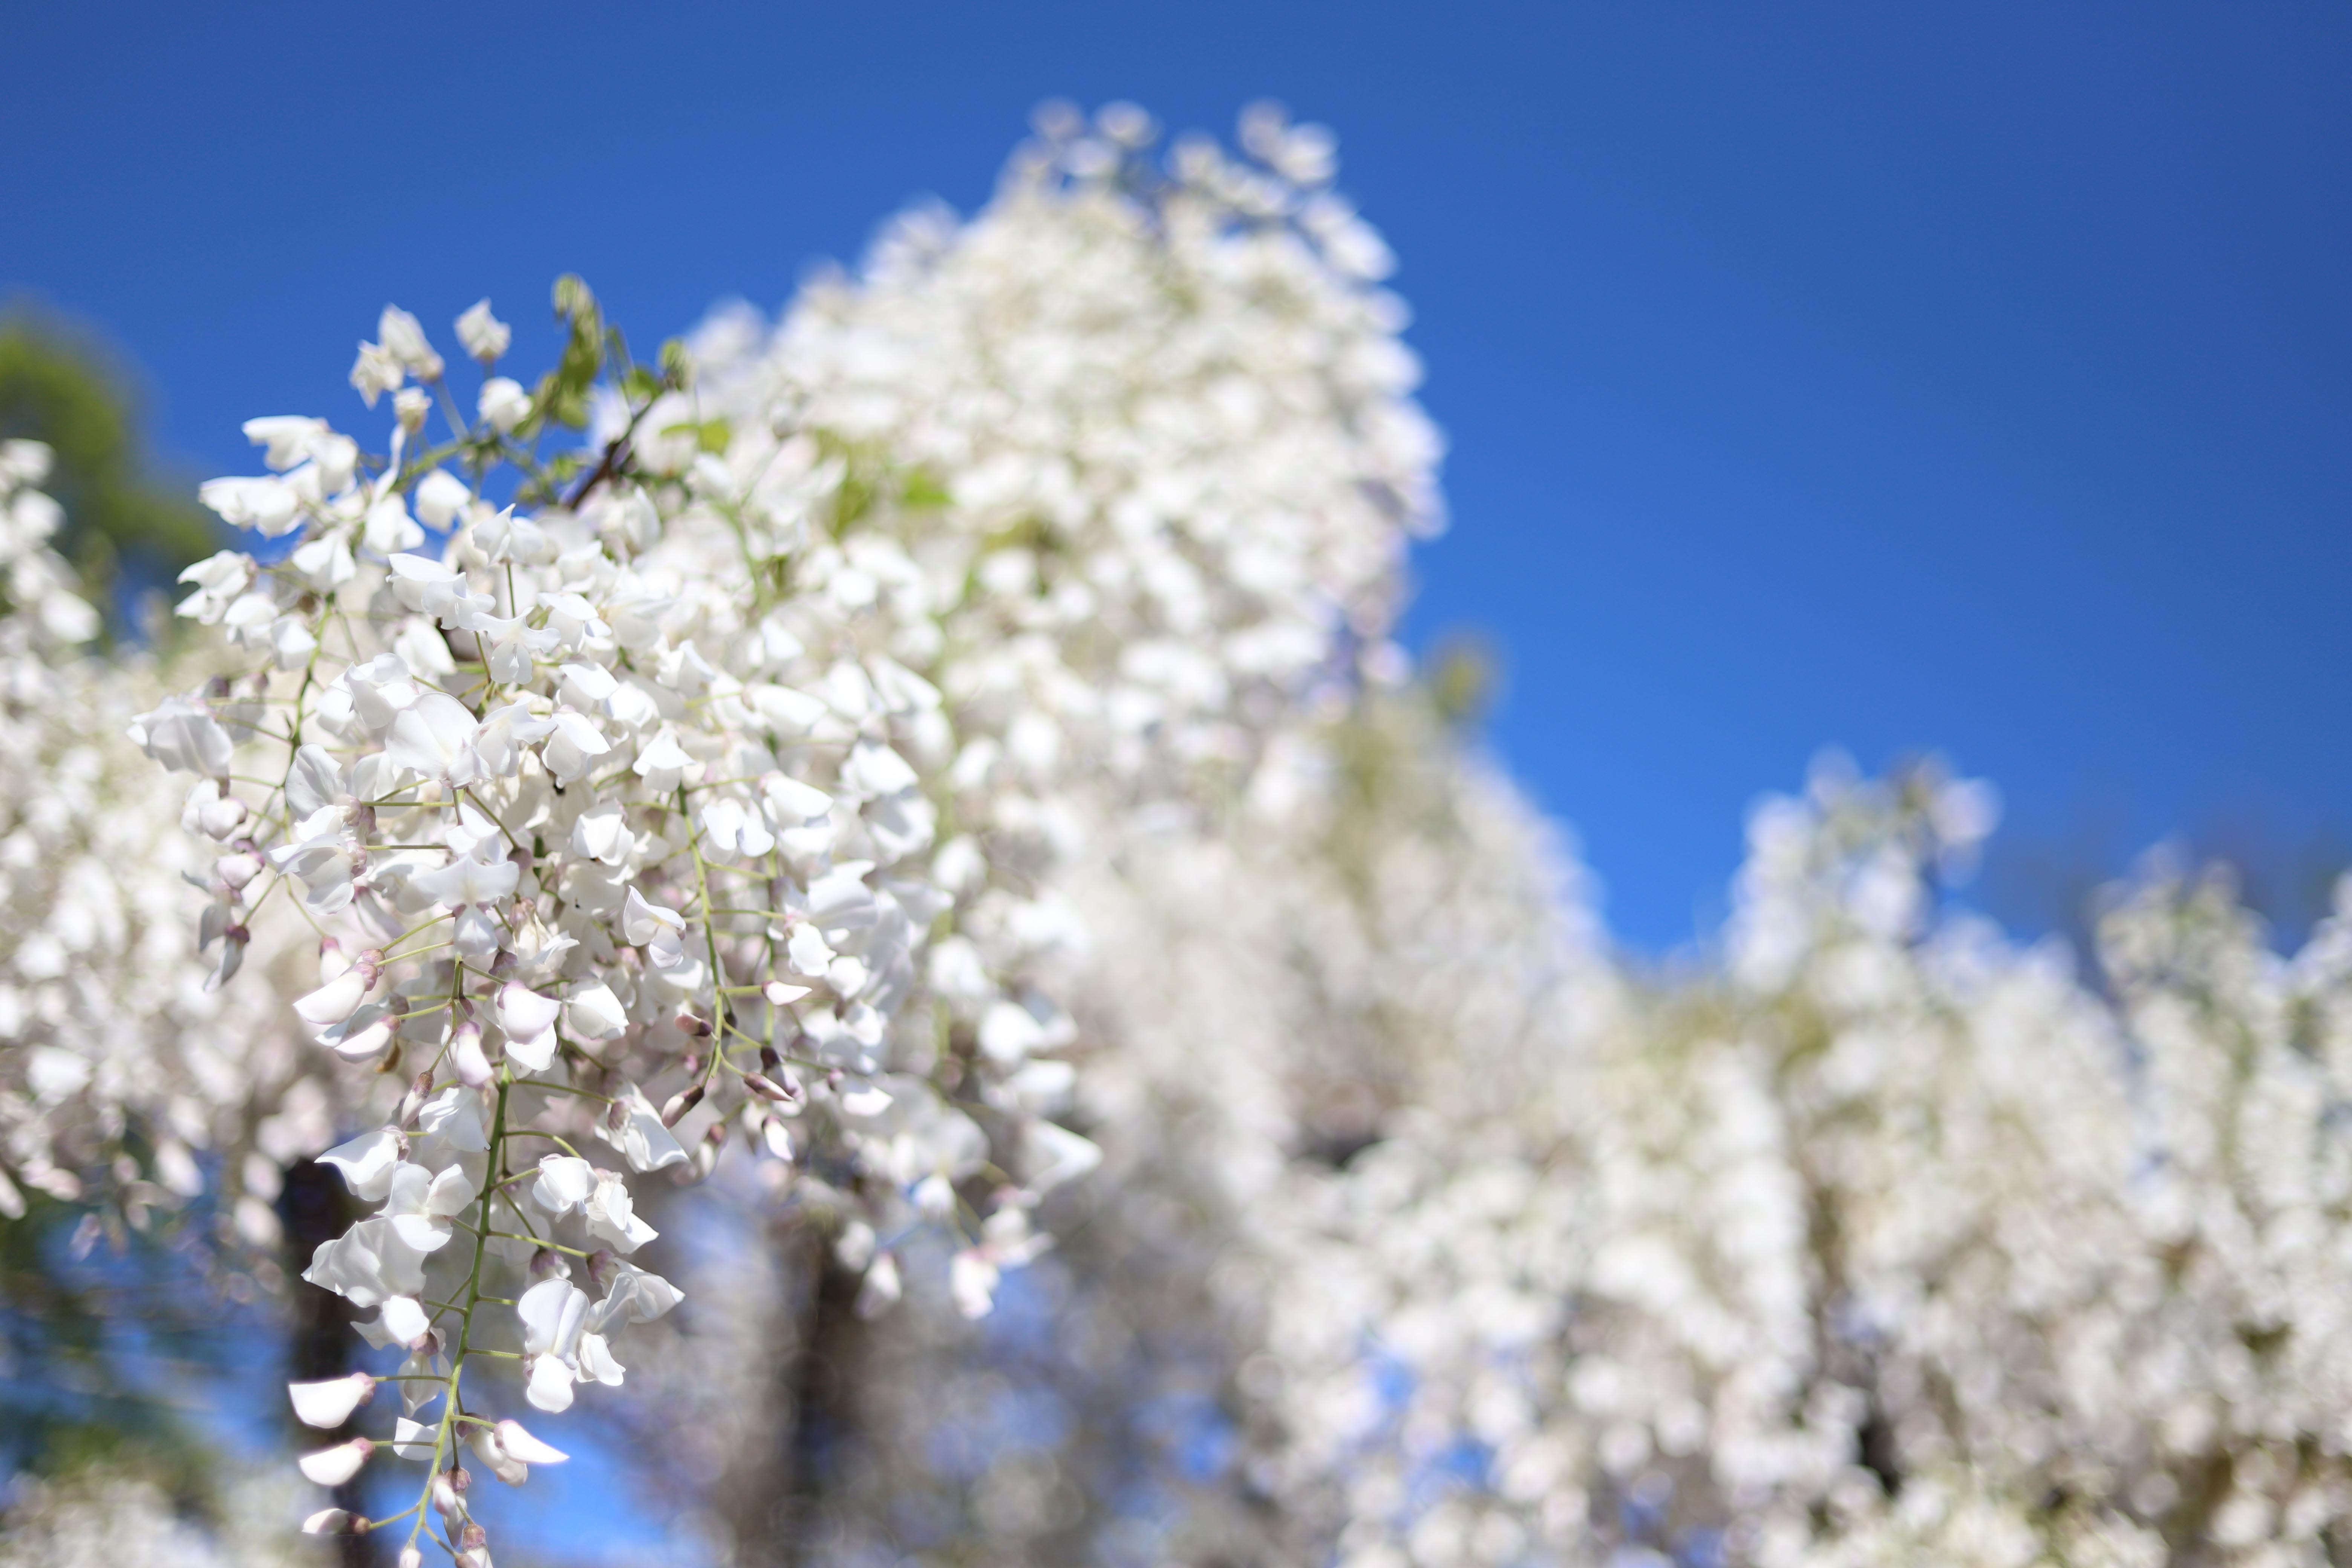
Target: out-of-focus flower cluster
(119,1060)
(1893,1244)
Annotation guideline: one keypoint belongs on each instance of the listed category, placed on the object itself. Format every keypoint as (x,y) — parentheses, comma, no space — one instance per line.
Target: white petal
(404,1317)
(367,1162)
(414,1439)
(524,1012)
(334,1467)
(335,1001)
(330,1403)
(520,1443)
(550,1385)
(595,1014)
(551,1313)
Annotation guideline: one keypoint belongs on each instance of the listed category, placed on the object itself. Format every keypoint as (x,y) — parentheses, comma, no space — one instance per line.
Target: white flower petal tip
(334,1467)
(550,1386)
(337,1000)
(405,1319)
(328,1521)
(330,1403)
(521,1445)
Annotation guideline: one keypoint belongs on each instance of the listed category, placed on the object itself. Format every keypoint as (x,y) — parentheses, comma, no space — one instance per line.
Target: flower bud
(419,1091)
(328,1521)
(221,816)
(679,1104)
(465,1057)
(689,1023)
(334,1467)
(329,1404)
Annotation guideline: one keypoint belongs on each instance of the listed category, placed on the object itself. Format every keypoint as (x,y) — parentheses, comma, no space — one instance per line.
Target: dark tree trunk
(321,1341)
(775,1498)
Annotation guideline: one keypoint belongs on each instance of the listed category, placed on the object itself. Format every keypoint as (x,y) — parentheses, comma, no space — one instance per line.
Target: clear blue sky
(1976,377)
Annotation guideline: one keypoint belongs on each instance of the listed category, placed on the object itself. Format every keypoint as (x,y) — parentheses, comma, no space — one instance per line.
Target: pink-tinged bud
(599,1269)
(475,1538)
(716,1135)
(334,1467)
(465,1057)
(419,1091)
(460,1478)
(328,1521)
(445,1497)
(546,1265)
(679,1104)
(689,1023)
(410,1557)
(767,1087)
(618,1115)
(329,1404)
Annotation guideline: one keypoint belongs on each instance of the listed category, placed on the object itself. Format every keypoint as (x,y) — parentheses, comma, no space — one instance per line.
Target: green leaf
(925,493)
(574,298)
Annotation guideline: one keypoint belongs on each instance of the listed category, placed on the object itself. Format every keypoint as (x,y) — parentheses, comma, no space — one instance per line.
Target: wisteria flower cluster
(119,1061)
(612,819)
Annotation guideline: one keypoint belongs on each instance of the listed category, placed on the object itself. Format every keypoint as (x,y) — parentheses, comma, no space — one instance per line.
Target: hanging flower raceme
(122,1062)
(619,821)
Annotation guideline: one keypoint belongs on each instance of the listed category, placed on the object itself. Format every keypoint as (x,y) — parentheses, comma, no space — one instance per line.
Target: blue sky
(1977,378)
